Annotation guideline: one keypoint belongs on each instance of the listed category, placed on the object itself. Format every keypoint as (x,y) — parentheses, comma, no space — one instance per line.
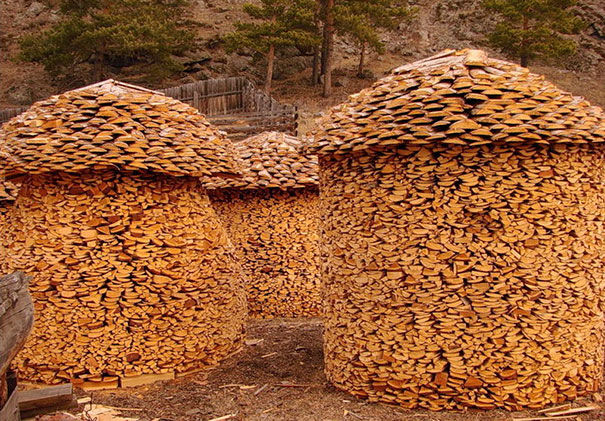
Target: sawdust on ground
(277,376)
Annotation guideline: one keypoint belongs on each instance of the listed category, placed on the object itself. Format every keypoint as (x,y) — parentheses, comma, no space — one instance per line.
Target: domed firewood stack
(271,215)
(132,270)
(462,213)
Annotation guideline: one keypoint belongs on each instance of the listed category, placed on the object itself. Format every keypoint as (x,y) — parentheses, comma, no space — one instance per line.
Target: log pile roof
(459,97)
(113,124)
(271,159)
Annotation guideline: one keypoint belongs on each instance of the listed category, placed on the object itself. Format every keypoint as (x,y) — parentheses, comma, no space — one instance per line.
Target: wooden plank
(145,379)
(49,399)
(103,385)
(572,411)
(555,408)
(544,418)
(9,113)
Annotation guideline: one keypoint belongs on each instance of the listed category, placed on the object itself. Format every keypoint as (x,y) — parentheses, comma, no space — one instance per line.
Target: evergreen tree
(534,28)
(113,32)
(279,24)
(361,19)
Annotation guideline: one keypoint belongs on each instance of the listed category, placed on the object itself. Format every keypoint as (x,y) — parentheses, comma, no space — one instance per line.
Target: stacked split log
(271,215)
(463,207)
(132,271)
(8,192)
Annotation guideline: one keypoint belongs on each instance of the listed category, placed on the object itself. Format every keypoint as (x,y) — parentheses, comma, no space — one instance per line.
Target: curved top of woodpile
(462,98)
(271,159)
(114,124)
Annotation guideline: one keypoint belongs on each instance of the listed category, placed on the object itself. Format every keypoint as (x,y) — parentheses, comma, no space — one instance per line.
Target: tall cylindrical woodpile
(462,211)
(132,271)
(271,215)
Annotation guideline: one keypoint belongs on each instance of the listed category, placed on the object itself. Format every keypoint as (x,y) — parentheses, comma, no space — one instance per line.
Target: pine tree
(533,29)
(279,24)
(115,33)
(361,19)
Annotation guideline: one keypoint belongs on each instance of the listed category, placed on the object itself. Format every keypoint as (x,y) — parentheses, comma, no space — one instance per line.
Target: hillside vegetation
(439,24)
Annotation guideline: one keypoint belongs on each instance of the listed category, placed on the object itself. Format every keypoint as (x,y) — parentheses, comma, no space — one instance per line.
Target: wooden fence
(233,104)
(8,113)
(236,106)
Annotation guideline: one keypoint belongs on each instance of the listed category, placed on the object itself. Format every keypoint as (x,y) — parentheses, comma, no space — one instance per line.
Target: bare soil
(281,378)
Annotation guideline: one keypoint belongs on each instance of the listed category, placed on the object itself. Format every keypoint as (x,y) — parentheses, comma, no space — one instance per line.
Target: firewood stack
(8,192)
(271,215)
(132,271)
(463,208)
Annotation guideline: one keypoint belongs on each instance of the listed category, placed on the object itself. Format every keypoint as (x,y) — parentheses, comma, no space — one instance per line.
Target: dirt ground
(280,378)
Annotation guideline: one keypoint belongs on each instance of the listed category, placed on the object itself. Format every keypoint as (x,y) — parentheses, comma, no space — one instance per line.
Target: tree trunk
(316,66)
(324,50)
(524,53)
(98,64)
(362,56)
(524,60)
(270,60)
(329,35)
(316,50)
(324,40)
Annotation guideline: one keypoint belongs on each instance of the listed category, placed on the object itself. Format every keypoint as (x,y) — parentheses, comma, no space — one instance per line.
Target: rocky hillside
(440,24)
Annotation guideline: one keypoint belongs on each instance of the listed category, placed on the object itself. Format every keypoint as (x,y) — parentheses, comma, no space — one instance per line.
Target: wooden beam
(49,399)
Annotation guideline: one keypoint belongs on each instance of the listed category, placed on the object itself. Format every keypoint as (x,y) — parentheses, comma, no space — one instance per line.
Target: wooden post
(196,100)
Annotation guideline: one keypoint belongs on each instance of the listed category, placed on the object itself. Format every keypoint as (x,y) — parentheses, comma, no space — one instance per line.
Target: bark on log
(16,316)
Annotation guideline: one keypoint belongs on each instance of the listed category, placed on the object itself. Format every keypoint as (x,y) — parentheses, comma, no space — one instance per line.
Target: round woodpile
(132,271)
(462,218)
(271,215)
